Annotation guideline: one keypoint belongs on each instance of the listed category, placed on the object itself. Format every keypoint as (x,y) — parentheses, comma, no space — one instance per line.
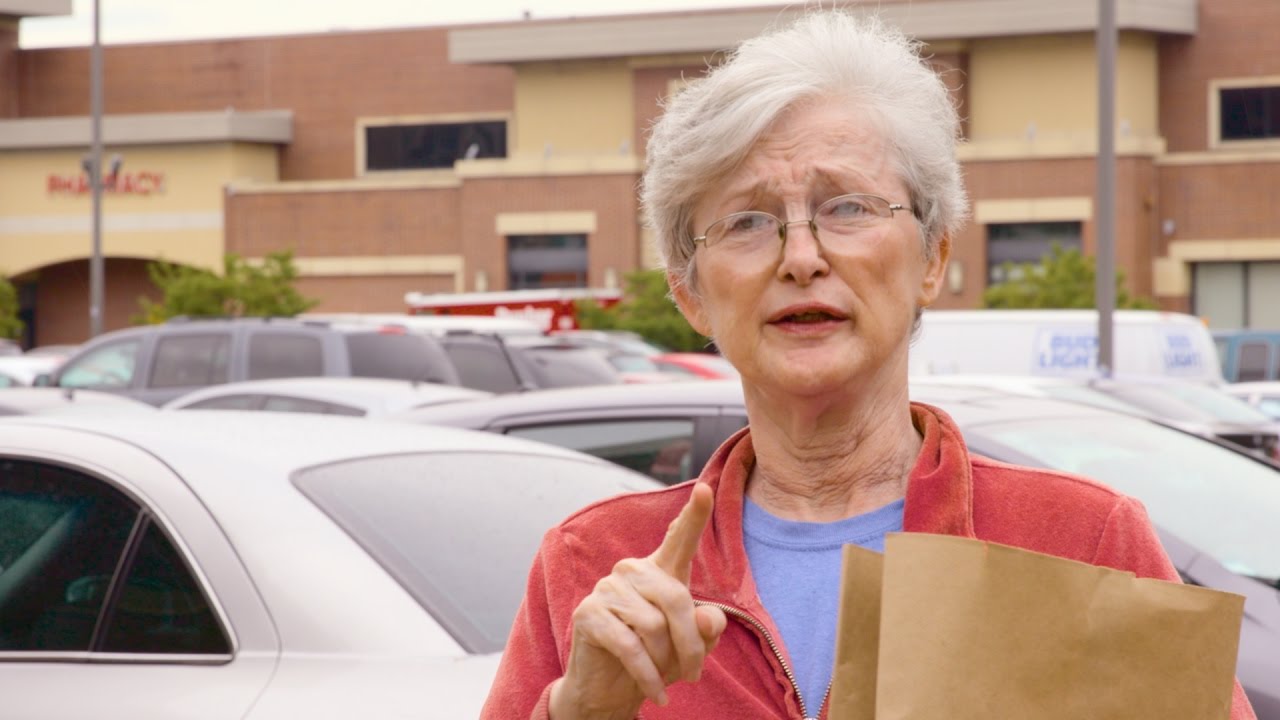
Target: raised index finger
(675,555)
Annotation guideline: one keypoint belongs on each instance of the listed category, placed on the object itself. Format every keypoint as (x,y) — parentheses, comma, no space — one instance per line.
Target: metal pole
(95,178)
(1105,288)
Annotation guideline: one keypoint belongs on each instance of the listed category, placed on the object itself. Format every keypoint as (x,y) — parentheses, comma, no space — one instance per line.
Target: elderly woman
(805,194)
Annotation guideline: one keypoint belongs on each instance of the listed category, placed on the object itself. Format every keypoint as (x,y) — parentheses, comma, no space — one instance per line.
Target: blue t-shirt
(796,566)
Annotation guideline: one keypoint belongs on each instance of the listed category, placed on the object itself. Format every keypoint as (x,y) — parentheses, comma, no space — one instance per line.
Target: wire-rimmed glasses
(842,216)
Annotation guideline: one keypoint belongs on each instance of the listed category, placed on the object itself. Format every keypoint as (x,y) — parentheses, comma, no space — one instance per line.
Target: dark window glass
(160,608)
(1020,243)
(61,537)
(400,356)
(567,367)
(459,530)
(227,402)
(483,365)
(418,147)
(277,355)
(1252,361)
(659,448)
(546,261)
(1250,113)
(110,366)
(191,360)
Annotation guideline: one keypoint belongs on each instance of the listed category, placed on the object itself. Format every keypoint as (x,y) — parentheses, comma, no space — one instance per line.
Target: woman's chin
(809,379)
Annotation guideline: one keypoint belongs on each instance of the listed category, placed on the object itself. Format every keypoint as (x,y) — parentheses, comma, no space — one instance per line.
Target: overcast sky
(148,20)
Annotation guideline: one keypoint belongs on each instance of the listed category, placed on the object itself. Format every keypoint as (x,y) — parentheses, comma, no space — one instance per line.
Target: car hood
(325,686)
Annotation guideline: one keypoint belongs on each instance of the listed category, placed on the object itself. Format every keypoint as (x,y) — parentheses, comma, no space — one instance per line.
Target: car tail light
(392,330)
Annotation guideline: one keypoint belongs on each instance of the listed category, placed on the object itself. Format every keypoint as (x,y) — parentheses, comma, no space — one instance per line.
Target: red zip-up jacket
(949,492)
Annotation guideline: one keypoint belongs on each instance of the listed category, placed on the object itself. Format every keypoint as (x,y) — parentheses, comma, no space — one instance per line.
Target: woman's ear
(689,303)
(935,273)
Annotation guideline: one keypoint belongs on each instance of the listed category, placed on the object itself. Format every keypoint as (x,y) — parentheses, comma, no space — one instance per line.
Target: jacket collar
(939,500)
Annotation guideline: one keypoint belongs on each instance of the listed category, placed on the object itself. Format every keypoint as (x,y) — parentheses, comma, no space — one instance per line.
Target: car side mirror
(43,380)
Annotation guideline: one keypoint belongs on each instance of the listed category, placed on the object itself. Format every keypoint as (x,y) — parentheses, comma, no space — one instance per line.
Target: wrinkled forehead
(811,151)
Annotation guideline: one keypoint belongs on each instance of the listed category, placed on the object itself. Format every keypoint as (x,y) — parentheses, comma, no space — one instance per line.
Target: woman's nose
(802,255)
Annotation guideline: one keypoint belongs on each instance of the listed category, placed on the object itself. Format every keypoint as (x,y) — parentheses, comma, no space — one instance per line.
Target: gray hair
(708,128)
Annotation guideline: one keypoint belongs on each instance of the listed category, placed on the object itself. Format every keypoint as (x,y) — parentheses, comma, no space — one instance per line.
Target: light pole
(95,178)
(1105,275)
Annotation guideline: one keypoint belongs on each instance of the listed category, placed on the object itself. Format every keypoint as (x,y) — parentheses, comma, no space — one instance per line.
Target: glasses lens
(743,231)
(848,213)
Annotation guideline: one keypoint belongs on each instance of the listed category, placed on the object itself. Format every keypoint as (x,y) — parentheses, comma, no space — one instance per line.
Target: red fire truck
(552,309)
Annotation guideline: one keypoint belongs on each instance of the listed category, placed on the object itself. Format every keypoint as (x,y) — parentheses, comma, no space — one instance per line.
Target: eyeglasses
(843,216)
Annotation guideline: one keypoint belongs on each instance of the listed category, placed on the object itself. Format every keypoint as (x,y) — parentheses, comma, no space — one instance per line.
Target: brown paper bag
(965,630)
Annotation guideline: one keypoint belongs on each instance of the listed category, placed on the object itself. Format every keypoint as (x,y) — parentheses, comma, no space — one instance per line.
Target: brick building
(506,155)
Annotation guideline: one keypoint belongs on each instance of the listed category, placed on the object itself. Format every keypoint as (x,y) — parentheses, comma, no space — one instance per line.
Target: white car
(1265,396)
(361,397)
(22,370)
(267,566)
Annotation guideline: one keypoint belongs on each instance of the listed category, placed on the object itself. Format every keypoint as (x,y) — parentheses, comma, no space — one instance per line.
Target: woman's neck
(821,462)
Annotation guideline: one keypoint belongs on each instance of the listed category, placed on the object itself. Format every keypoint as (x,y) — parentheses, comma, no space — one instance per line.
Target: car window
(1270,406)
(1252,361)
(659,448)
(1218,500)
(284,403)
(399,356)
(190,360)
(459,530)
(63,536)
(1217,403)
(674,369)
(59,530)
(109,366)
(6,381)
(226,402)
(159,607)
(483,367)
(277,355)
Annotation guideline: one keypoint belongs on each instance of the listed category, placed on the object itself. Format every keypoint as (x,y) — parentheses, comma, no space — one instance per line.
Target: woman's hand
(639,631)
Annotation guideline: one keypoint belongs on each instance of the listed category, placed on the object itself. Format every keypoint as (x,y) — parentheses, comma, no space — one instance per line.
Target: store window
(429,146)
(546,261)
(1232,295)
(1249,113)
(1019,243)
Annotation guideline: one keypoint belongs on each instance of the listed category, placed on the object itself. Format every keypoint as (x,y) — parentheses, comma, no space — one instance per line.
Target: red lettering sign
(129,183)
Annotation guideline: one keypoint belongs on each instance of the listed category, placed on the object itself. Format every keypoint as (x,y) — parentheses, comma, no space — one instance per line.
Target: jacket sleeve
(534,653)
(1129,542)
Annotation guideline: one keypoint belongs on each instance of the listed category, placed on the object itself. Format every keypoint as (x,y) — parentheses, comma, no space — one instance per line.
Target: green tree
(10,325)
(1062,279)
(243,289)
(646,308)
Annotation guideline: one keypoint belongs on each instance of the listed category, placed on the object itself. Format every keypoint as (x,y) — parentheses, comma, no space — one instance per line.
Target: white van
(1063,343)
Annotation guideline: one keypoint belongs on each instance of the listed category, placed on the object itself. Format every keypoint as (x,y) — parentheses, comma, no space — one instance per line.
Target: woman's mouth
(812,316)
(808,317)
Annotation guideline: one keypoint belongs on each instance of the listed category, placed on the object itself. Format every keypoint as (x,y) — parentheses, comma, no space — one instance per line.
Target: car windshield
(1218,500)
(459,530)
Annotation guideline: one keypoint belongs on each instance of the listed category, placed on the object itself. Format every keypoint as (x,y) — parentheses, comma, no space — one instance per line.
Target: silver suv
(157,363)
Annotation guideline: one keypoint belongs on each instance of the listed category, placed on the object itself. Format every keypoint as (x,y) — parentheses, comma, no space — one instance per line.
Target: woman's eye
(749,223)
(848,208)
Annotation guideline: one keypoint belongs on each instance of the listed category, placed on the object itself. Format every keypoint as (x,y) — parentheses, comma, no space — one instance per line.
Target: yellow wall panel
(1045,87)
(573,109)
(168,203)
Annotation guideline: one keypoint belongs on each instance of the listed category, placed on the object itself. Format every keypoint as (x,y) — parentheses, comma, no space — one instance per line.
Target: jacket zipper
(786,669)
